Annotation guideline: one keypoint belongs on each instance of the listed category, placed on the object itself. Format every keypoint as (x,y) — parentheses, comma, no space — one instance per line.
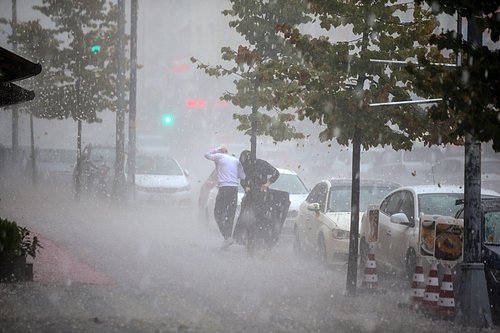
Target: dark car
(490,241)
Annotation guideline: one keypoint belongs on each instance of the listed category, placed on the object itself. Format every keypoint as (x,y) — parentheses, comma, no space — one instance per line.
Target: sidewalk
(55,264)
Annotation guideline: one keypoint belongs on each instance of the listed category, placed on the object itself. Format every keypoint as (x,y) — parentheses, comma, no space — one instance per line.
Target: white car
(161,179)
(404,225)
(324,222)
(288,181)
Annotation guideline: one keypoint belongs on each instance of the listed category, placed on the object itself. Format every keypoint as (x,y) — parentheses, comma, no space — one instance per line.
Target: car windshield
(340,197)
(492,228)
(439,203)
(148,165)
(290,183)
(102,154)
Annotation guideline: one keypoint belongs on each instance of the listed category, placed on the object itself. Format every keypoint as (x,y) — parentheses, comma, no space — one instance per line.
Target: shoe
(227,243)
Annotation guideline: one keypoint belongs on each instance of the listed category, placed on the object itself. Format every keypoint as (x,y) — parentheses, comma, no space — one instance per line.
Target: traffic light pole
(119,179)
(15,111)
(133,94)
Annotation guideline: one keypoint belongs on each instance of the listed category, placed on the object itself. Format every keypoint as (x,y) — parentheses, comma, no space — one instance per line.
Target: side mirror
(186,173)
(401,218)
(313,207)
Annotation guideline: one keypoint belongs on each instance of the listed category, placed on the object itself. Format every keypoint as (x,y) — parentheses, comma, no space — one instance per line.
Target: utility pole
(352,264)
(15,111)
(473,293)
(133,94)
(119,179)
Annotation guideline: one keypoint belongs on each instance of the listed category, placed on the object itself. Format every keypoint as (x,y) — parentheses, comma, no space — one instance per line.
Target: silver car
(406,223)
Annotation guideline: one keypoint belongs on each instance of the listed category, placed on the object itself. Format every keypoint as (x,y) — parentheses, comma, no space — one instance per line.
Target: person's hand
(264,187)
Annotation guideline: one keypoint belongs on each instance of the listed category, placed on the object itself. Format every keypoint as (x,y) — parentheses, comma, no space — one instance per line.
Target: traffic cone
(446,303)
(418,285)
(431,294)
(370,279)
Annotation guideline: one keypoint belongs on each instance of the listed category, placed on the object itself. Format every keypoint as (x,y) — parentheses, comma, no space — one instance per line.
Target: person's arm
(274,174)
(212,155)
(241,172)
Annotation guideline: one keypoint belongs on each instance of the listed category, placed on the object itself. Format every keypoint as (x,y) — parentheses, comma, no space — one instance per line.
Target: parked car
(404,225)
(324,222)
(97,169)
(490,244)
(161,179)
(288,181)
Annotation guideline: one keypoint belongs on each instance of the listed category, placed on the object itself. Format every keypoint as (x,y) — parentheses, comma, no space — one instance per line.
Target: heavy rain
(105,168)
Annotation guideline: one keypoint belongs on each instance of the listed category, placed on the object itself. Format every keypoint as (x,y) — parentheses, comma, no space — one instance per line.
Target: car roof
(363,182)
(286,171)
(422,189)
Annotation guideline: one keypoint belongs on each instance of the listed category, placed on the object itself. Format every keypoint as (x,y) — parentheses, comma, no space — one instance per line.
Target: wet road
(156,268)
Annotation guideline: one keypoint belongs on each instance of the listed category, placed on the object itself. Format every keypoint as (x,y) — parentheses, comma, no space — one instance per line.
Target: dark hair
(245,157)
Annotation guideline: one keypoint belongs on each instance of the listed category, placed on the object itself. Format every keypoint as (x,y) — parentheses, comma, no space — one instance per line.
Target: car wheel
(322,256)
(411,263)
(363,253)
(297,247)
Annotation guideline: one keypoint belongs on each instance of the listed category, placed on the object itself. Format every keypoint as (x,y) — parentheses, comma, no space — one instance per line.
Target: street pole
(15,111)
(352,264)
(253,136)
(133,94)
(473,293)
(119,178)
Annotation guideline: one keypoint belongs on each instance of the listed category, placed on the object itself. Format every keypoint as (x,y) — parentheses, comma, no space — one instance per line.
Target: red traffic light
(196,103)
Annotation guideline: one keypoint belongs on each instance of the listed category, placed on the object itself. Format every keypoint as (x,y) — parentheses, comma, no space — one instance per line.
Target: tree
(81,78)
(471,91)
(258,67)
(333,82)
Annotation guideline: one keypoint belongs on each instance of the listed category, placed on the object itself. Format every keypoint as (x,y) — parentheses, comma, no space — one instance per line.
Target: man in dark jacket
(254,221)
(259,176)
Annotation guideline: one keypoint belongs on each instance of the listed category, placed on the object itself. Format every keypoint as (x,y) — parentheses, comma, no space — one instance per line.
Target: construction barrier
(370,278)
(418,284)
(446,302)
(431,294)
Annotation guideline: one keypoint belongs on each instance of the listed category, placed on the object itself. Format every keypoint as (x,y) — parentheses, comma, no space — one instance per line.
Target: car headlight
(340,234)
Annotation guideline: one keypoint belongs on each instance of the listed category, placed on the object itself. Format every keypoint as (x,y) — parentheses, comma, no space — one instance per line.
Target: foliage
(470,92)
(342,81)
(325,79)
(75,81)
(259,67)
(16,241)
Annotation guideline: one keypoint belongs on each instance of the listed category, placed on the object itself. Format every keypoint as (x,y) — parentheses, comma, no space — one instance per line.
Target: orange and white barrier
(370,278)
(446,303)
(431,295)
(418,284)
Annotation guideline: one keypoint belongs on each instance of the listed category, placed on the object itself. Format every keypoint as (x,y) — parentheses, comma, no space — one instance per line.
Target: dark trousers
(225,209)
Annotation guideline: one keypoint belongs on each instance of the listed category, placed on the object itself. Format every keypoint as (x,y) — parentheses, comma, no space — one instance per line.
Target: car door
(389,206)
(307,221)
(401,234)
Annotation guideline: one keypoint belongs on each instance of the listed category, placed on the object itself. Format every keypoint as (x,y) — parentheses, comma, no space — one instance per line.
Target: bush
(15,241)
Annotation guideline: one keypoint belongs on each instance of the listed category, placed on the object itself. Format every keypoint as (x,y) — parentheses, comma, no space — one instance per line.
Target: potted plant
(15,245)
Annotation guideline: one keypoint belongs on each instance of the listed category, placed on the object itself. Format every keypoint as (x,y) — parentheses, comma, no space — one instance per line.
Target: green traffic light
(168,120)
(95,48)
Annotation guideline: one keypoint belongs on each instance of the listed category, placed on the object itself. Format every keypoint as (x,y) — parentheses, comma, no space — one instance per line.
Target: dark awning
(12,94)
(14,67)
